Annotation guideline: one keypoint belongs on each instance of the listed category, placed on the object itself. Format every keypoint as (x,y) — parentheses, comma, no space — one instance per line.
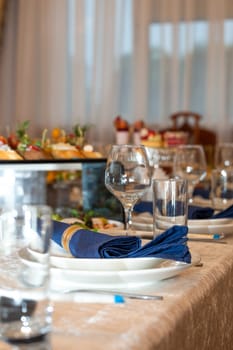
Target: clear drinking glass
(169,203)
(25,310)
(224,156)
(190,164)
(222,188)
(128,176)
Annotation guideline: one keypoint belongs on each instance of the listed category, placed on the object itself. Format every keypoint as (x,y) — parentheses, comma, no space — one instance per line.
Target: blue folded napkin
(143,206)
(202,192)
(208,213)
(226,213)
(172,210)
(83,243)
(195,212)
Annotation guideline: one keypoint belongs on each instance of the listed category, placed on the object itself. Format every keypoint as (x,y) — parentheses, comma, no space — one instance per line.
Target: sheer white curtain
(190,51)
(65,62)
(60,64)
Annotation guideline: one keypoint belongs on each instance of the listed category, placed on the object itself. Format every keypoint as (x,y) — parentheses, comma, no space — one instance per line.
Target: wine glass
(190,164)
(128,176)
(224,156)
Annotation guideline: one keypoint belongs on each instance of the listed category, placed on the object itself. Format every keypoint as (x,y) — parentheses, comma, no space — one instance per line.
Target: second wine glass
(224,156)
(190,164)
(127,176)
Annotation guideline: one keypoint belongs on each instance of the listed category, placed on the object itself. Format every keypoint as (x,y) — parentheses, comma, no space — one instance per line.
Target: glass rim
(170,180)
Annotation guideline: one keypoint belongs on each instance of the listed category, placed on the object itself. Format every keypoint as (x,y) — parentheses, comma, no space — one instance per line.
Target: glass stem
(190,192)
(128,219)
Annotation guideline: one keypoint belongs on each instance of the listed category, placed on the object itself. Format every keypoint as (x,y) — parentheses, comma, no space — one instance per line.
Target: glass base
(24,322)
(36,339)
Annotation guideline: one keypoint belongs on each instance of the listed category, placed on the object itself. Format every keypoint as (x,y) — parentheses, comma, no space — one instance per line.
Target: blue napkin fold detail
(208,213)
(226,213)
(194,212)
(202,192)
(171,244)
(172,210)
(143,206)
(84,243)
(90,244)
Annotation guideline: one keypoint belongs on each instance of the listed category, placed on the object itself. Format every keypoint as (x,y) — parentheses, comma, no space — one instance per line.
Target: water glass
(190,164)
(25,310)
(222,188)
(169,204)
(224,156)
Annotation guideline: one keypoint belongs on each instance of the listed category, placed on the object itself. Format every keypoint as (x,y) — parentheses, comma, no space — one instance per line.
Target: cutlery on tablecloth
(215,238)
(115,292)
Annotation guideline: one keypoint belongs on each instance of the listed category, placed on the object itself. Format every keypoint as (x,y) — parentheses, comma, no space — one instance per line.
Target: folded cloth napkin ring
(67,235)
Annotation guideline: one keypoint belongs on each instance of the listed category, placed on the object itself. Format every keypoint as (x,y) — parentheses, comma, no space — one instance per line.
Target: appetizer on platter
(6,152)
(20,146)
(25,146)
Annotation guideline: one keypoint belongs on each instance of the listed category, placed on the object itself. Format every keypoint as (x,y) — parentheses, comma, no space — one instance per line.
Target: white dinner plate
(77,264)
(214,227)
(209,226)
(204,226)
(143,221)
(202,202)
(143,226)
(66,278)
(207,222)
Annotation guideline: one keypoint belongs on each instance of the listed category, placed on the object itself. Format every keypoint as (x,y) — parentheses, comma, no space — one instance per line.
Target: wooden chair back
(190,122)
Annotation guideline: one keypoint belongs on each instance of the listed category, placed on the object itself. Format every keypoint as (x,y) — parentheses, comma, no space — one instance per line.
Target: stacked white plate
(68,272)
(204,226)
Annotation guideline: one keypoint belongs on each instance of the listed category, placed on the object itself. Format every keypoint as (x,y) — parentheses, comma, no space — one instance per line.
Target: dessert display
(149,136)
(121,124)
(122,130)
(175,138)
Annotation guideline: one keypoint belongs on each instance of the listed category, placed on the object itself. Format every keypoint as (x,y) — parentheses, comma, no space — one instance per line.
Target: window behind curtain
(192,49)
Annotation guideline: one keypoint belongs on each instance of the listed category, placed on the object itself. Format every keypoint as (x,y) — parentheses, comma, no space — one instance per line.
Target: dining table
(195,313)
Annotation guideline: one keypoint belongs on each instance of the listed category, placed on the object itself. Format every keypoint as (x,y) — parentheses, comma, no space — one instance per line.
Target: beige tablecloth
(196,313)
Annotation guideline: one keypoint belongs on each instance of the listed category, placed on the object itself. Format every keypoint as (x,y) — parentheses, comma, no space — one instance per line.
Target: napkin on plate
(143,206)
(194,212)
(197,212)
(83,243)
(226,213)
(201,192)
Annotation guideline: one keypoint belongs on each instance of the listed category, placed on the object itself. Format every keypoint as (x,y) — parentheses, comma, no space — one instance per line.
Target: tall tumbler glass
(222,188)
(25,310)
(169,204)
